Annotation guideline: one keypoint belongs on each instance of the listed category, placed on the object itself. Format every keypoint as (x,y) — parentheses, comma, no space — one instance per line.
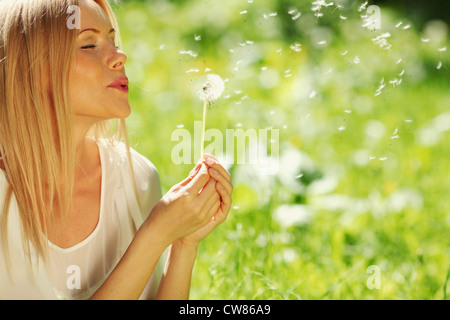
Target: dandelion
(211,91)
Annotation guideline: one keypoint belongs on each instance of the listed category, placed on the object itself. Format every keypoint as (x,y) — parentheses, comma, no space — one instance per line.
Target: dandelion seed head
(212,89)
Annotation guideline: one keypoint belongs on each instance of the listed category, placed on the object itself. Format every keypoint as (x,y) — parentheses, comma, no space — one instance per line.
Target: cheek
(86,76)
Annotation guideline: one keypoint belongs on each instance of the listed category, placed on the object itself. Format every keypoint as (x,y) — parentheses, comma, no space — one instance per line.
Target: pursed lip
(119,82)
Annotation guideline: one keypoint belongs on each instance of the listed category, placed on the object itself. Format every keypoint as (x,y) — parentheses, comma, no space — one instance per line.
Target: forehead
(92,15)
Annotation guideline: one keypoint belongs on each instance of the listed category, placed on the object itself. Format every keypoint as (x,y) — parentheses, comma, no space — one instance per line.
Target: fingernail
(210,161)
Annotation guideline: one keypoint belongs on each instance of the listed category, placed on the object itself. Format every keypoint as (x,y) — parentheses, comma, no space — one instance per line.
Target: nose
(118,60)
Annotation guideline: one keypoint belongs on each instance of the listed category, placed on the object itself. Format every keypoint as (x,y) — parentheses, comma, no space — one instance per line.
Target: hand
(186,207)
(224,189)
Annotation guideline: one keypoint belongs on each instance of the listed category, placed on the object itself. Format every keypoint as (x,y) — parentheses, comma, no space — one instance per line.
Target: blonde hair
(36,116)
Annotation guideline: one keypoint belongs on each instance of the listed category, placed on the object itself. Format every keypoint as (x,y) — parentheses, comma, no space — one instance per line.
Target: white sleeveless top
(77,272)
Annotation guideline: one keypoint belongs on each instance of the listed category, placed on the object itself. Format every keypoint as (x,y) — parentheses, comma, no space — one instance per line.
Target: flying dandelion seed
(295,47)
(211,91)
(380,87)
(267,16)
(188,52)
(406,27)
(313,94)
(294,13)
(344,53)
(198,38)
(439,66)
(296,16)
(442,49)
(356,60)
(395,82)
(243,12)
(363,6)
(399,24)
(382,42)
(425,40)
(192,70)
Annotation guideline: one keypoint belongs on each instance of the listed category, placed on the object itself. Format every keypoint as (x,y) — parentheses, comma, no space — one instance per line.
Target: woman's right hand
(186,207)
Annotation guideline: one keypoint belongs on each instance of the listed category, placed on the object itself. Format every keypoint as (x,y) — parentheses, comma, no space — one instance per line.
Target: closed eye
(88,47)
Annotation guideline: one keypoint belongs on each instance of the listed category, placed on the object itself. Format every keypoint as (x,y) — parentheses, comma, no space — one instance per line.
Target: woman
(81,213)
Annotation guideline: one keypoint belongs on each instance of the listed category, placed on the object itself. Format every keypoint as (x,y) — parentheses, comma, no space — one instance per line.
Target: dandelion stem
(203,131)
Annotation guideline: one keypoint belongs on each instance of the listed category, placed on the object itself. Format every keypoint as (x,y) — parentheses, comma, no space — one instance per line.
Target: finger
(215,198)
(199,181)
(221,179)
(216,165)
(206,193)
(226,199)
(208,155)
(191,175)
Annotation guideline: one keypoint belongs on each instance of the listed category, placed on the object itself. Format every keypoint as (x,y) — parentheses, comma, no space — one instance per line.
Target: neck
(85,155)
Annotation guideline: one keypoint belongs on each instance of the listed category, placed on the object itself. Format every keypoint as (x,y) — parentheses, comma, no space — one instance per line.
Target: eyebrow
(95,31)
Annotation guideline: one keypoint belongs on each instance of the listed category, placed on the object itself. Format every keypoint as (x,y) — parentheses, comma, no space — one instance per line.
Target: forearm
(131,275)
(176,281)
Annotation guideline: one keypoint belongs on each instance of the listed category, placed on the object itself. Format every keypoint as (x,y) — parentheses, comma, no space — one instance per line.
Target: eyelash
(88,47)
(94,46)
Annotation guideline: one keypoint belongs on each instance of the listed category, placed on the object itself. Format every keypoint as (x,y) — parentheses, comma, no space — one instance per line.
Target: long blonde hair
(36,116)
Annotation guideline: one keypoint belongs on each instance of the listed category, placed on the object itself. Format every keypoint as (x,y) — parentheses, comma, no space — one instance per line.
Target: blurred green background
(363,118)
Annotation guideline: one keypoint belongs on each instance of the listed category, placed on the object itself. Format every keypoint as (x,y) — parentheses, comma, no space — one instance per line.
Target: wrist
(182,244)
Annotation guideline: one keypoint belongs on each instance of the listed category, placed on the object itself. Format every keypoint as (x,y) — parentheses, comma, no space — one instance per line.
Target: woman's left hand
(224,189)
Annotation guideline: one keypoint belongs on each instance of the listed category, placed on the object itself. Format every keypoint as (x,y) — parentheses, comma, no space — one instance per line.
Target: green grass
(385,204)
